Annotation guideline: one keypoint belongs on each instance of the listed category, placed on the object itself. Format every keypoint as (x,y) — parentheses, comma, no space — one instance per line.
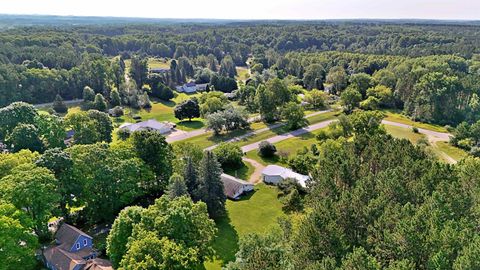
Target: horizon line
(238,19)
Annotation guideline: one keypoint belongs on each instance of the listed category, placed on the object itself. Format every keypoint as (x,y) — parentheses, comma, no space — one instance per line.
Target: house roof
(275,170)
(61,259)
(67,235)
(231,185)
(149,124)
(98,264)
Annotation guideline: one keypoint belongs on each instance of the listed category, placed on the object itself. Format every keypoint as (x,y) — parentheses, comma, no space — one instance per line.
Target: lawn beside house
(255,212)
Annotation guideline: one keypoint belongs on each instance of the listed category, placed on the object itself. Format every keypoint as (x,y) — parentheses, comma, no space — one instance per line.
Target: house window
(77,246)
(85,242)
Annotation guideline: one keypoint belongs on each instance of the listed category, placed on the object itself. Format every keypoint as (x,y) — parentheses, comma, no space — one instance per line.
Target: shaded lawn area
(256,212)
(399,118)
(404,133)
(243,172)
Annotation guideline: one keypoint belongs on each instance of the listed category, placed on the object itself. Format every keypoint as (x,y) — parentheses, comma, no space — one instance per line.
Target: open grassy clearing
(255,212)
(242,73)
(404,133)
(158,63)
(399,118)
(454,152)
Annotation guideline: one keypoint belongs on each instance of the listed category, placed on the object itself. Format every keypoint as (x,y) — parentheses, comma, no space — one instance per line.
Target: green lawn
(404,133)
(454,152)
(242,73)
(399,118)
(256,212)
(158,63)
(243,172)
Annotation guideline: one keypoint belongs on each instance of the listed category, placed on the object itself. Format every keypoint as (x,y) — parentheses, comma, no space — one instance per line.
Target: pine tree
(177,187)
(191,177)
(210,188)
(58,105)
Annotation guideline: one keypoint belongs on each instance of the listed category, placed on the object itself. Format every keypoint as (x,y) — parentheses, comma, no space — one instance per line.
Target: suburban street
(179,136)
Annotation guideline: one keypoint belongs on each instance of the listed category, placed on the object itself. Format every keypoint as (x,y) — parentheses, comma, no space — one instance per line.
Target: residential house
(234,187)
(192,87)
(73,250)
(275,174)
(151,124)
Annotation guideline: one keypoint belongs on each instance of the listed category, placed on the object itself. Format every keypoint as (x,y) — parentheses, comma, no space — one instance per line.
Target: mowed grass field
(399,118)
(404,133)
(242,73)
(255,212)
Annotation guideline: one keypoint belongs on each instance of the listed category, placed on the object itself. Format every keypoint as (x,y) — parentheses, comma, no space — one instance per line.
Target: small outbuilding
(275,174)
(234,188)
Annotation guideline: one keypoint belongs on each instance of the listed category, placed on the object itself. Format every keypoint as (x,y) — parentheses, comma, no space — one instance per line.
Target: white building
(234,187)
(192,87)
(152,124)
(274,174)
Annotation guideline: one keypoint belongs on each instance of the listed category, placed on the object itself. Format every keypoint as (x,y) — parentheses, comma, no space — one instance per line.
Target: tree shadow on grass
(242,172)
(226,242)
(194,124)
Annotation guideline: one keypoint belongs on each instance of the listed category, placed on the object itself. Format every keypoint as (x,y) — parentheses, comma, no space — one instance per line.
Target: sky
(252,9)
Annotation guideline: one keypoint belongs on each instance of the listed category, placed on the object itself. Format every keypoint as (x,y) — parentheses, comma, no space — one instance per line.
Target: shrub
(229,155)
(423,142)
(123,134)
(415,130)
(117,111)
(475,151)
(59,106)
(266,149)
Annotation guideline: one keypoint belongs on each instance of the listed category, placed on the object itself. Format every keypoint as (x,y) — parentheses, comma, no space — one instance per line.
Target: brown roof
(61,259)
(232,185)
(98,264)
(67,235)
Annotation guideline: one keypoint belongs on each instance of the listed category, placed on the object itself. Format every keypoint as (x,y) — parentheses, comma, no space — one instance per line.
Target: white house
(234,187)
(151,124)
(191,87)
(274,174)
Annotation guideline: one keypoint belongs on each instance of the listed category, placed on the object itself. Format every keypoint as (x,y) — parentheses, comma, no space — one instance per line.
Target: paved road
(179,136)
(288,135)
(74,101)
(437,136)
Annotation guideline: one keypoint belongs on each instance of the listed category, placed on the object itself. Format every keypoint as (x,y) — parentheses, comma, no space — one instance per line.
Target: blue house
(72,250)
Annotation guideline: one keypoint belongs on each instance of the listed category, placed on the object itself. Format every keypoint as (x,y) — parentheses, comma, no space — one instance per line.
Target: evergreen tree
(190,176)
(58,105)
(210,187)
(88,94)
(177,187)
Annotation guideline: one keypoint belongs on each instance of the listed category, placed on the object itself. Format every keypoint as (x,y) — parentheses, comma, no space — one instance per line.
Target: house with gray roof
(73,250)
(192,87)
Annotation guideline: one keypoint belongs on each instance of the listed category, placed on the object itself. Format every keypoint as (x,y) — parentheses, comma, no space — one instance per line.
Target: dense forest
(37,63)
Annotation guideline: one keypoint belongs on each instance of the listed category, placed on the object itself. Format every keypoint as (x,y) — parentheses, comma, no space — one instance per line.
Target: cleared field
(256,212)
(399,118)
(404,133)
(454,152)
(242,73)
(158,63)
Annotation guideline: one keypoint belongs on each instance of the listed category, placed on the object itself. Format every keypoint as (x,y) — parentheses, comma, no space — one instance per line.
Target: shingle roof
(62,259)
(67,235)
(231,185)
(98,264)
